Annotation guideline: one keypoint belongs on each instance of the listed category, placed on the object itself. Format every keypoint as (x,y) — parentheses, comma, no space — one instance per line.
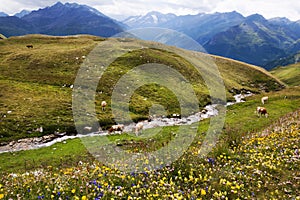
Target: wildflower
(1,196)
(203,192)
(73,191)
(83,198)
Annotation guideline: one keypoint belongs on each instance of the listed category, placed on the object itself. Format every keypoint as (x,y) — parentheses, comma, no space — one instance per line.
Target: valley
(36,91)
(159,105)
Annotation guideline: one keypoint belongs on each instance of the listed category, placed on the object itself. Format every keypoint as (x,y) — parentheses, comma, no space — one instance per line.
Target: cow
(138,127)
(103,105)
(264,99)
(261,111)
(29,46)
(118,127)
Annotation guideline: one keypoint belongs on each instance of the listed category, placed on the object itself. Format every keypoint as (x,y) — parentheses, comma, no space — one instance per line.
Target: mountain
(281,21)
(61,19)
(151,19)
(251,39)
(3,14)
(14,26)
(200,27)
(255,40)
(72,18)
(22,13)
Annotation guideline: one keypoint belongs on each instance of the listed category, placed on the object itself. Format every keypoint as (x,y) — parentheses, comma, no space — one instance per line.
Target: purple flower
(211,160)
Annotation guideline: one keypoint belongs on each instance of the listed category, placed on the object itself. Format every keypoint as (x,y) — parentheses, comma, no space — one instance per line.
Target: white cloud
(118,8)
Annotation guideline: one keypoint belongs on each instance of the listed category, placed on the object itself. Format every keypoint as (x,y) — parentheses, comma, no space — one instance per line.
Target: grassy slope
(241,122)
(245,163)
(33,82)
(289,74)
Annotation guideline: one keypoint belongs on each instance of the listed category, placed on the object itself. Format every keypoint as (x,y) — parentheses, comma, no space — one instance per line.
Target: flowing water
(207,112)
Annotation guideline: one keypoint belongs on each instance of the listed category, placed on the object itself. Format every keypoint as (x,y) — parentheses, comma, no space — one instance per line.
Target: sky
(120,9)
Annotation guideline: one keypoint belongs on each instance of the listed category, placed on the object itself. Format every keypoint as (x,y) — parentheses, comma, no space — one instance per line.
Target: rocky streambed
(48,140)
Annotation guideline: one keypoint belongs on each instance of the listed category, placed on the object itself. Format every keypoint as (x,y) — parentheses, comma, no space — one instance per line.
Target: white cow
(264,99)
(138,127)
(103,105)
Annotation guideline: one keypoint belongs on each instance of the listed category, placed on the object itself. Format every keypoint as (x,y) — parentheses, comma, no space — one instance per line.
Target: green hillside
(36,82)
(289,74)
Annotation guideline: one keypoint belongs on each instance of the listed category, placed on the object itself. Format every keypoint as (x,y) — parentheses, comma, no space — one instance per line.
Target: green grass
(241,121)
(289,74)
(35,83)
(247,162)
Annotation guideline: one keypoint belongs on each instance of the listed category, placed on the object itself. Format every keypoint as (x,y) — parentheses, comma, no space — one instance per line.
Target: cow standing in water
(116,128)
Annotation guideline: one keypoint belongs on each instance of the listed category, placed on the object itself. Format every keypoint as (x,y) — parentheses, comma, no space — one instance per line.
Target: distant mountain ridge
(151,19)
(200,27)
(3,14)
(255,41)
(62,19)
(22,13)
(251,39)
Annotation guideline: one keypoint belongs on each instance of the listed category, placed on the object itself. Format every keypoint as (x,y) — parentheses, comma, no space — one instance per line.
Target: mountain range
(251,39)
(61,19)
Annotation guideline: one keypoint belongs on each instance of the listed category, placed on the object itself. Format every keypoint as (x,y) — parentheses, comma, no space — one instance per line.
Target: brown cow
(261,111)
(118,127)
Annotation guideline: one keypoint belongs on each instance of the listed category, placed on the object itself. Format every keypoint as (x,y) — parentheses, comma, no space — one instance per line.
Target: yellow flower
(73,191)
(1,196)
(203,192)
(83,198)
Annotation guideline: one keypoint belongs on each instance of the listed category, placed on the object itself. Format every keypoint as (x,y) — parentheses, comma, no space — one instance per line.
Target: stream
(46,141)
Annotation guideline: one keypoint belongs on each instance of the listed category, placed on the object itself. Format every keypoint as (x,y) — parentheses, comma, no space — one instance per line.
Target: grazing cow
(118,127)
(138,127)
(103,105)
(88,128)
(262,111)
(29,46)
(264,99)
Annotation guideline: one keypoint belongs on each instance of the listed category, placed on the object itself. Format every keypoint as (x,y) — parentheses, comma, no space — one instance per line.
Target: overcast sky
(119,9)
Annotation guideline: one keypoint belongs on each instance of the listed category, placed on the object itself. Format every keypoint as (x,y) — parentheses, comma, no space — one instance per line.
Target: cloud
(122,8)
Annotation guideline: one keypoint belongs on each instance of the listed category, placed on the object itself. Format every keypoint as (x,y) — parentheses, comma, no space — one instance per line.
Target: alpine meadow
(89,110)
